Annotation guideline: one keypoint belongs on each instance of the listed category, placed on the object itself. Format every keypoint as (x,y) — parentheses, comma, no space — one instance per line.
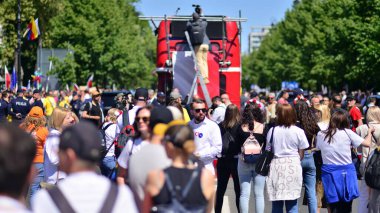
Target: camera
(198,8)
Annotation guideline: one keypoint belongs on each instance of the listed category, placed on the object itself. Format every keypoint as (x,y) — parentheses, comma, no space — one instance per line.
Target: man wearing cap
(4,101)
(18,108)
(219,111)
(141,97)
(92,111)
(355,114)
(207,136)
(37,99)
(83,190)
(17,151)
(160,100)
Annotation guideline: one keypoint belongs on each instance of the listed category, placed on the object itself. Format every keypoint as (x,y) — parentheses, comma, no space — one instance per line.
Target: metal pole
(19,43)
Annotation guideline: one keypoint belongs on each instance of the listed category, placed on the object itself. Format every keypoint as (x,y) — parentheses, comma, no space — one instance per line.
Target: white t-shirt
(51,159)
(111,134)
(338,152)
(208,141)
(132,114)
(131,146)
(218,114)
(287,141)
(323,125)
(10,205)
(85,192)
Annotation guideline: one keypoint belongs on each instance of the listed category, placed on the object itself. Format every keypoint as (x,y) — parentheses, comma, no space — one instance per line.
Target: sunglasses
(204,110)
(145,119)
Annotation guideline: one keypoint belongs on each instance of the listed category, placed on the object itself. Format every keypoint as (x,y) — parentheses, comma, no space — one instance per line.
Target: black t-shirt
(234,148)
(93,110)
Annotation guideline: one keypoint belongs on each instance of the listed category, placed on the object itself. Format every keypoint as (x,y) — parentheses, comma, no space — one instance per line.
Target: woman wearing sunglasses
(140,139)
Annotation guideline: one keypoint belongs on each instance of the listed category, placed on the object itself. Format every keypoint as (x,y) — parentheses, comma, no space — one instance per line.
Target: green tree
(108,40)
(331,42)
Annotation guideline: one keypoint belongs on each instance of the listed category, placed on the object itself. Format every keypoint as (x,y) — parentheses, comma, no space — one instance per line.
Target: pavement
(230,207)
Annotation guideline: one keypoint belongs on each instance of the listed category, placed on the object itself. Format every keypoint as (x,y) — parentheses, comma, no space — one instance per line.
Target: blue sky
(258,12)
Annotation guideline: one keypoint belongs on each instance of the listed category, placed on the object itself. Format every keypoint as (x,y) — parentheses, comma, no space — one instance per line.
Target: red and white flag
(76,87)
(7,78)
(89,81)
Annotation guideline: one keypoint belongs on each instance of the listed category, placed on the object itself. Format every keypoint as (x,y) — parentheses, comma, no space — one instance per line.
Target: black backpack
(196,32)
(372,171)
(104,150)
(125,134)
(176,206)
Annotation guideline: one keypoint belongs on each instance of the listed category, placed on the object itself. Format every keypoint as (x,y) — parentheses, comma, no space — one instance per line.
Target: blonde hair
(112,114)
(373,114)
(326,115)
(57,117)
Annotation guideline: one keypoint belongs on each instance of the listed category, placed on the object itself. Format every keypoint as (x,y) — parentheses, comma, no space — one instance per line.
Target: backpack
(227,142)
(125,134)
(104,149)
(175,206)
(250,150)
(196,32)
(372,170)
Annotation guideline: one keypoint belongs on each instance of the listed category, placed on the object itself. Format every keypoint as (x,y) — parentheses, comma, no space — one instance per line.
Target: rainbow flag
(33,30)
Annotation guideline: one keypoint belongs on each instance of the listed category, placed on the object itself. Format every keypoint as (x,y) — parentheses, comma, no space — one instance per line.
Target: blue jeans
(290,205)
(247,173)
(309,179)
(108,167)
(35,186)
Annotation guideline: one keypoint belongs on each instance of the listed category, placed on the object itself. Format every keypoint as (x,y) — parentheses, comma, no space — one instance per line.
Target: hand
(18,115)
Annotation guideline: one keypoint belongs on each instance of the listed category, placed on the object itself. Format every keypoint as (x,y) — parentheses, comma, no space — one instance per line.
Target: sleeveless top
(179,178)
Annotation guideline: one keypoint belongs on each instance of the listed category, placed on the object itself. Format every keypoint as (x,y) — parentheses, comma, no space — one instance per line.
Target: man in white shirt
(17,151)
(220,110)
(207,136)
(83,190)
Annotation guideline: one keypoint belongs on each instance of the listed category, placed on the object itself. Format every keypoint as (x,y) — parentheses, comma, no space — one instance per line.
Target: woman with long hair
(35,124)
(228,162)
(59,120)
(111,130)
(133,145)
(193,186)
(323,123)
(373,120)
(338,172)
(287,141)
(251,125)
(307,121)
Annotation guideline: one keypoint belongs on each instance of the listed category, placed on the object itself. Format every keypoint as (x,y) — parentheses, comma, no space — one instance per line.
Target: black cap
(160,115)
(298,91)
(20,91)
(350,98)
(141,94)
(160,94)
(253,94)
(36,91)
(86,146)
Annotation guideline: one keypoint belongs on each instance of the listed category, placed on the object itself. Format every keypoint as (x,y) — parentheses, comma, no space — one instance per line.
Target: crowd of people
(151,152)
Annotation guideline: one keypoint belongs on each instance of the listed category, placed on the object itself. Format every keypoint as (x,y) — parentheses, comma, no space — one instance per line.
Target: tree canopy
(329,42)
(106,39)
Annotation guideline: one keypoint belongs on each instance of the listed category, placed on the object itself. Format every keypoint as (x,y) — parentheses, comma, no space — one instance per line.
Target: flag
(7,78)
(28,87)
(76,87)
(14,79)
(89,81)
(67,88)
(50,66)
(33,31)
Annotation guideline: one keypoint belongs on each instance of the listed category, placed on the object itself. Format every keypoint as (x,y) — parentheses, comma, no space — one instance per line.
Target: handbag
(263,163)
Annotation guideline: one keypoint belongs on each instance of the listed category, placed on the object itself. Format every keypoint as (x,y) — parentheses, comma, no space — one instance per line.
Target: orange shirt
(40,136)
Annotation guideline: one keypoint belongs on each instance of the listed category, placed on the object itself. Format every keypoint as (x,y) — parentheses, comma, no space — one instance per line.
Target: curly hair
(307,118)
(251,113)
(32,121)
